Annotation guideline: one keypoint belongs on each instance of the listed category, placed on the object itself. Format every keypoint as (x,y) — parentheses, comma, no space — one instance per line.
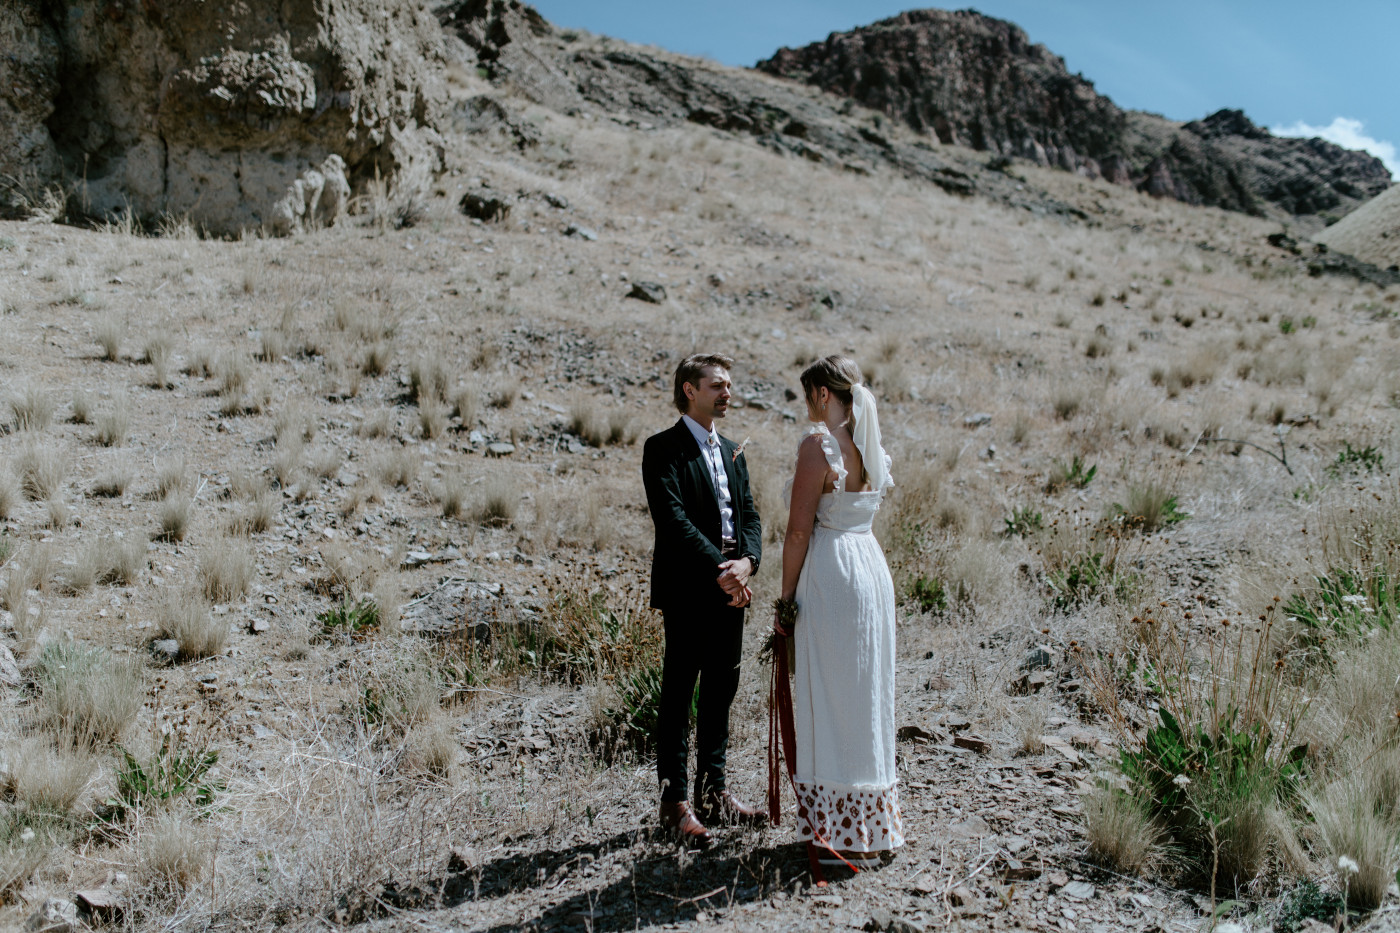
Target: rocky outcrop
(971,80)
(216,109)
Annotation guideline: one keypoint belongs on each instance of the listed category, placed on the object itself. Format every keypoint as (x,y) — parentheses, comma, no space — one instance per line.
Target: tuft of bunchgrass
(10,494)
(43,469)
(32,408)
(112,482)
(452,496)
(428,378)
(171,477)
(431,748)
(48,777)
(85,694)
(185,617)
(173,854)
(498,502)
(257,514)
(82,406)
(111,331)
(173,515)
(432,418)
(1120,832)
(1150,507)
(157,353)
(226,570)
(114,423)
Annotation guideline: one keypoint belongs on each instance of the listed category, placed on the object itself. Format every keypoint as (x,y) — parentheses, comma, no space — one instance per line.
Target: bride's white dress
(843,687)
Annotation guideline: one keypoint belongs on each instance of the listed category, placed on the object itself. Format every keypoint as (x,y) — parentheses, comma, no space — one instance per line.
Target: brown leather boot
(723,808)
(680,819)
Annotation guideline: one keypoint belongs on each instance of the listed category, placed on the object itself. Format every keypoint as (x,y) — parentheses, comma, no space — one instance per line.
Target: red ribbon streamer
(782,739)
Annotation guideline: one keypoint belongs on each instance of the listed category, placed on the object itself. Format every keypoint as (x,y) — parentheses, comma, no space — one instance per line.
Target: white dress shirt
(713,453)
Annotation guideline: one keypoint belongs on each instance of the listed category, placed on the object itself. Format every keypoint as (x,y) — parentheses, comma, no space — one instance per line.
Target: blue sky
(1298,68)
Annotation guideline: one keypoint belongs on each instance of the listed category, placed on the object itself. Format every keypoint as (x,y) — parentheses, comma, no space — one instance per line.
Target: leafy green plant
(356,619)
(1088,578)
(638,705)
(1345,603)
(1073,474)
(1149,508)
(1022,522)
(1286,325)
(1308,901)
(1356,460)
(928,594)
(1211,782)
(170,773)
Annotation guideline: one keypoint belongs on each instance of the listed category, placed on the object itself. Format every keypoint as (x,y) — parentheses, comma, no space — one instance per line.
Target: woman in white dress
(835,572)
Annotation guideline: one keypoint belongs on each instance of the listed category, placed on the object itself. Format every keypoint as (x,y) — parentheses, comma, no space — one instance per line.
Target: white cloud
(1349,134)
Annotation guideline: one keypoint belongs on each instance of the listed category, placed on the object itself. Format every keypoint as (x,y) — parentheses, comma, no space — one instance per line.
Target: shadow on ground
(664,885)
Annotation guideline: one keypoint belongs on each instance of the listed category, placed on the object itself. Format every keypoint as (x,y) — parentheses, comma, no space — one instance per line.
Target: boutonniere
(738,450)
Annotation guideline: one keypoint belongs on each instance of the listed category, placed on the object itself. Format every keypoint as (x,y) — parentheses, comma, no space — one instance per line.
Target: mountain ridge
(973,80)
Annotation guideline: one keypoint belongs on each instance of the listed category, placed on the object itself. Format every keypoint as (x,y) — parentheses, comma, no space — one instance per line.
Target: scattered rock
(919,734)
(938,682)
(99,904)
(485,206)
(53,916)
(1039,658)
(1079,890)
(583,233)
(556,200)
(462,858)
(1032,683)
(977,420)
(971,827)
(417,558)
(1057,879)
(961,896)
(883,921)
(973,743)
(1059,745)
(500,449)
(166,649)
(259,626)
(955,723)
(648,291)
(9,670)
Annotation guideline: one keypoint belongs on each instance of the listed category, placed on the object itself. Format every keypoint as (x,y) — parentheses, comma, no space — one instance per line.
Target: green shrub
(1344,603)
(928,594)
(1022,522)
(1089,578)
(1212,783)
(1351,460)
(170,773)
(356,619)
(1073,474)
(634,717)
(1307,901)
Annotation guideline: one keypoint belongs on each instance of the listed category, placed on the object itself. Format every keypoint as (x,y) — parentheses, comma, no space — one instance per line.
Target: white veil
(865,433)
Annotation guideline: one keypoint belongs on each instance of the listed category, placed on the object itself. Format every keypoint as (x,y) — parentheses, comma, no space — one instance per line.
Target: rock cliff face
(214,109)
(972,80)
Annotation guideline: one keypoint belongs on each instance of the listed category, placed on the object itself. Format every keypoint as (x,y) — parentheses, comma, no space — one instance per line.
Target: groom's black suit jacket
(685,510)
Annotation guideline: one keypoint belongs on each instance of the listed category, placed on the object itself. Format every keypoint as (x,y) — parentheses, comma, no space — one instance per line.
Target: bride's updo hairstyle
(837,374)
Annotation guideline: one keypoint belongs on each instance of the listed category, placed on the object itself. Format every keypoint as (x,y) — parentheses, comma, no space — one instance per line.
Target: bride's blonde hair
(838,375)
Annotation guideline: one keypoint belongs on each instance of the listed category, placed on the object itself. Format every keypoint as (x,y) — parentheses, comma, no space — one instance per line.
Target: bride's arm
(807,485)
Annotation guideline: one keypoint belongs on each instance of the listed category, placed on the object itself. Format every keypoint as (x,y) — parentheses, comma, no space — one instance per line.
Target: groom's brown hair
(692,370)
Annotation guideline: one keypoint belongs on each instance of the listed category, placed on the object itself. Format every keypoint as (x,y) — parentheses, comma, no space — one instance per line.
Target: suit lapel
(700,470)
(726,448)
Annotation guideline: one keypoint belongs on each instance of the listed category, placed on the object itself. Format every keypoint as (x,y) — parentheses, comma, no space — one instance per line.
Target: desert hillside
(323,558)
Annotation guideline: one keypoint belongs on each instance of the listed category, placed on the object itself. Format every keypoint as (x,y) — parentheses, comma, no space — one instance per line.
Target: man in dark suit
(708,544)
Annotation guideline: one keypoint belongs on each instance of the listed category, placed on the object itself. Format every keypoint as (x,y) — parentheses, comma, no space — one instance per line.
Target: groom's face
(709,395)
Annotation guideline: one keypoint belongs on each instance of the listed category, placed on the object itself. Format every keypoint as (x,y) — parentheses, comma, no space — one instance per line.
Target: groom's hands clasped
(734,578)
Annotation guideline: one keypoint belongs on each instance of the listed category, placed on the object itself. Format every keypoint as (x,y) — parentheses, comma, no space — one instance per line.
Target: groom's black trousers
(705,643)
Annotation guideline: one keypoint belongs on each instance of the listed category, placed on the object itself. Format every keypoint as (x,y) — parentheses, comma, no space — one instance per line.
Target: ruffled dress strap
(832,450)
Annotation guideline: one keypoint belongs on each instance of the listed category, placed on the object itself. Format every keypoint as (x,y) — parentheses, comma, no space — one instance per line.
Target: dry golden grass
(110,332)
(950,304)
(114,423)
(43,470)
(185,617)
(226,568)
(1120,834)
(85,694)
(174,852)
(48,777)
(173,517)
